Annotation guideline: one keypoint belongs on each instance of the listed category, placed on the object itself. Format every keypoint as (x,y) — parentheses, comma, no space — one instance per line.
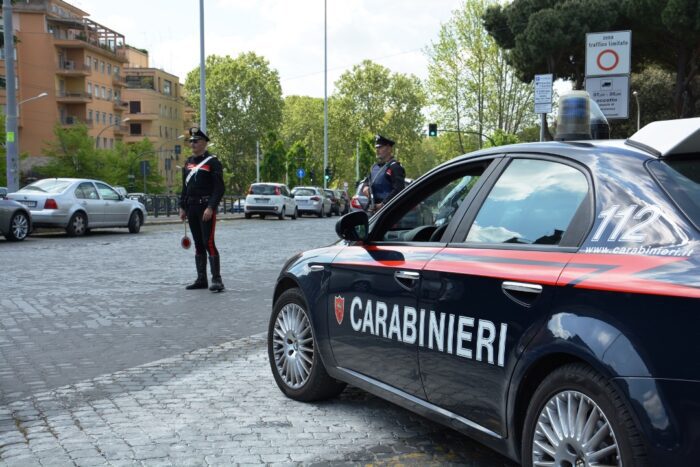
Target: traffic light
(328,173)
(432,129)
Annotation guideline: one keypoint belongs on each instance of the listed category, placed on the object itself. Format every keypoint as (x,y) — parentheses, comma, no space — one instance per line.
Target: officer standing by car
(202,190)
(387,177)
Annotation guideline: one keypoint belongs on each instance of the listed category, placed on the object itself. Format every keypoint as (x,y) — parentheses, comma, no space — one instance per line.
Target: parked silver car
(79,205)
(312,200)
(15,220)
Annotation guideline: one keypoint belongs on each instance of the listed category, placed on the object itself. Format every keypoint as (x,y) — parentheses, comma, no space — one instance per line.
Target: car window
(681,180)
(86,190)
(48,185)
(532,202)
(303,192)
(262,190)
(426,218)
(107,192)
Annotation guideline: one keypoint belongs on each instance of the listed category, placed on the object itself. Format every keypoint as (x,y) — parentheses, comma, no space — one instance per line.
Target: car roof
(268,183)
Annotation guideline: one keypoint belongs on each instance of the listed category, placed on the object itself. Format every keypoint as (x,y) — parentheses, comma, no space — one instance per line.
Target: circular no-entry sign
(607,60)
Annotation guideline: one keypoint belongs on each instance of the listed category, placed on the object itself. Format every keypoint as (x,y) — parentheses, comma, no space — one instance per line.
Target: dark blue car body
(465,331)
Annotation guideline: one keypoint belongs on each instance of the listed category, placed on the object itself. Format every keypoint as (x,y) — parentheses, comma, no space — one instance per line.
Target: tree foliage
(548,36)
(72,153)
(475,89)
(244,103)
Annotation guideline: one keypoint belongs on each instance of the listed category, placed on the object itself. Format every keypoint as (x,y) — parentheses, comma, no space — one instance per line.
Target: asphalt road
(105,359)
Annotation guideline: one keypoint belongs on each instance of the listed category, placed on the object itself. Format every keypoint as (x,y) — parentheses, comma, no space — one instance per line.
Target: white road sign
(608,53)
(611,93)
(543,94)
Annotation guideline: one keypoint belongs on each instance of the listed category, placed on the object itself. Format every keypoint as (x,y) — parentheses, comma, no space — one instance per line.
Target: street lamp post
(38,96)
(636,99)
(97,138)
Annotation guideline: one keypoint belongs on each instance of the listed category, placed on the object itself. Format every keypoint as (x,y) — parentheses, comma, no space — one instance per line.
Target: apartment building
(89,74)
(156,110)
(77,63)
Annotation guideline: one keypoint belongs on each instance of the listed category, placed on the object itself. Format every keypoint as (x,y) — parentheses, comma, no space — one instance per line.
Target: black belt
(198,199)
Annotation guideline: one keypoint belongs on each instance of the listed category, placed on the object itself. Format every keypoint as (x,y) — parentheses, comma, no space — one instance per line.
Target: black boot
(201,282)
(216,284)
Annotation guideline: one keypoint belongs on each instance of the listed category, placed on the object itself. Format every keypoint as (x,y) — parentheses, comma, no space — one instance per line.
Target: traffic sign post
(300,173)
(543,99)
(608,67)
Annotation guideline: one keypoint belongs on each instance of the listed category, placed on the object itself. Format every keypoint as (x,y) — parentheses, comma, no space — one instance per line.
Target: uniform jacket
(387,180)
(208,181)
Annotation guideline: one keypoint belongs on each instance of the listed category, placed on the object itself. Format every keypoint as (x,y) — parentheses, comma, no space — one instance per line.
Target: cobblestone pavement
(219,406)
(106,360)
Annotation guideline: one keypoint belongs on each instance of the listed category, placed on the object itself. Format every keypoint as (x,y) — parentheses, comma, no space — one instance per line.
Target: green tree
(72,153)
(474,87)
(369,99)
(244,103)
(124,167)
(274,163)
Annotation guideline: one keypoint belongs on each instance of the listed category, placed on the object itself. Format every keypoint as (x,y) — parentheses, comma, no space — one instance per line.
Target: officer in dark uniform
(387,177)
(202,189)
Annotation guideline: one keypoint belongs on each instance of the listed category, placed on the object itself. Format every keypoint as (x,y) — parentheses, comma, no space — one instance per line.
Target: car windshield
(681,179)
(262,189)
(304,192)
(48,185)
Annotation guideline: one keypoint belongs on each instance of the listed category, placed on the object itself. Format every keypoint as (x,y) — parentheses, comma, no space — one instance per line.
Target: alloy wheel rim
(572,431)
(78,225)
(20,227)
(293,346)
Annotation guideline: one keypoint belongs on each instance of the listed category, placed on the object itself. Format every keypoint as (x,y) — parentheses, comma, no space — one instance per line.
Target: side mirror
(353,226)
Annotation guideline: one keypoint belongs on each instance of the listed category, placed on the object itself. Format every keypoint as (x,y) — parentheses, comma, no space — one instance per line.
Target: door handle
(522,293)
(407,279)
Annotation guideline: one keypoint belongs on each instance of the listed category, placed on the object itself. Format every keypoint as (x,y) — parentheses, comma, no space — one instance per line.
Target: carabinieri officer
(202,189)
(387,177)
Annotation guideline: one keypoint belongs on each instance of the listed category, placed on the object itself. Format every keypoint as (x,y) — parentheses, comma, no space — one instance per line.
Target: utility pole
(11,100)
(202,72)
(357,161)
(325,93)
(257,161)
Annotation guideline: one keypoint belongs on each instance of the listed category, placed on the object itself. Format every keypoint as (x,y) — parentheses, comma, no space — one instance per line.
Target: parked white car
(312,200)
(270,199)
(78,205)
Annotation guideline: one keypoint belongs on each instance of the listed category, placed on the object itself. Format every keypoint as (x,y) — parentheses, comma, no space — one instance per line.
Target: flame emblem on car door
(339,308)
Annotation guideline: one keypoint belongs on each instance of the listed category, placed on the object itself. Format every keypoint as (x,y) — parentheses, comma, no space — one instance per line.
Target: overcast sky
(288,33)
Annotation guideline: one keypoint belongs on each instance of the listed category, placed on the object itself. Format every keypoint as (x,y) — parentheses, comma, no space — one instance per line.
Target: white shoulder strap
(196,169)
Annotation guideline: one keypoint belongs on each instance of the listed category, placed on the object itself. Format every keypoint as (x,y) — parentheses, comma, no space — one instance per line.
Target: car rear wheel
(282,214)
(248,216)
(577,417)
(320,212)
(134,223)
(296,213)
(19,227)
(77,225)
(293,352)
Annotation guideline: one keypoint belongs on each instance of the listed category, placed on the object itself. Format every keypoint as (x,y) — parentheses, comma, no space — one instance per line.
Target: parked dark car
(335,202)
(548,306)
(343,201)
(15,220)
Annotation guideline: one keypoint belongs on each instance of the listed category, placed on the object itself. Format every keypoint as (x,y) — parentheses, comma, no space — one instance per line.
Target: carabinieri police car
(542,298)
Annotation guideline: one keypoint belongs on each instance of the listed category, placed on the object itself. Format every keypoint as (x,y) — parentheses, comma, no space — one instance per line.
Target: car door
(374,286)
(486,293)
(89,200)
(116,210)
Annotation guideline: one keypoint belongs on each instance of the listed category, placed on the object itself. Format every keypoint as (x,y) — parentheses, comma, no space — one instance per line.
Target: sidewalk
(175,219)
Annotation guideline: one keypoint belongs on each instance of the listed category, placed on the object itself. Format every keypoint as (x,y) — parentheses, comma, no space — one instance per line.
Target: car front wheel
(293,352)
(282,214)
(577,417)
(19,227)
(134,222)
(77,225)
(296,213)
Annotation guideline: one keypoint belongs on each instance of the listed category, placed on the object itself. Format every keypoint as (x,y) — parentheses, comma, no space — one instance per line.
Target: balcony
(65,97)
(118,80)
(71,68)
(120,130)
(140,117)
(119,105)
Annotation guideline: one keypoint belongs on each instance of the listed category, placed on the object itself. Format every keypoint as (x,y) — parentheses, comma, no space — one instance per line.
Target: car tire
(77,225)
(134,222)
(321,213)
(578,391)
(296,214)
(298,369)
(248,216)
(19,227)
(281,215)
(262,216)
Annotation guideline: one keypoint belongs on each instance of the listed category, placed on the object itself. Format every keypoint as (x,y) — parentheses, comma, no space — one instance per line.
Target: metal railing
(168,205)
